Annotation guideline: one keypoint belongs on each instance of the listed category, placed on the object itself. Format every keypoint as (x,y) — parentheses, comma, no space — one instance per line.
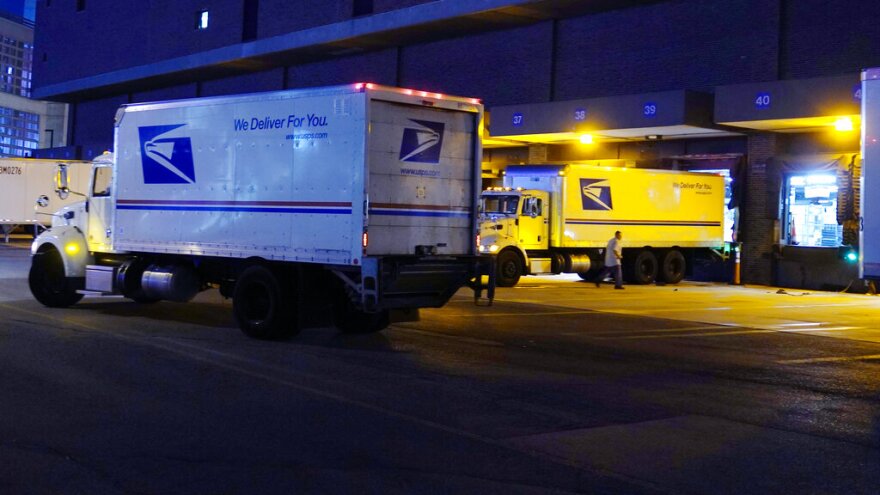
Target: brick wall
(826,38)
(377,67)
(269,80)
(284,16)
(167,93)
(388,5)
(93,121)
(109,34)
(680,44)
(758,222)
(503,67)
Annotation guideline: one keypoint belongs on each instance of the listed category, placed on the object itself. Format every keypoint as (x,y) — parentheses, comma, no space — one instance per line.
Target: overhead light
(586,139)
(653,137)
(843,124)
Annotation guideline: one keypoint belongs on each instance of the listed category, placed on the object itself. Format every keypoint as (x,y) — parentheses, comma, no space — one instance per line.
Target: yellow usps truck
(558,219)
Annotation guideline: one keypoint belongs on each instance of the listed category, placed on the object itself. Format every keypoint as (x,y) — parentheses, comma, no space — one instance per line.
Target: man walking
(613,259)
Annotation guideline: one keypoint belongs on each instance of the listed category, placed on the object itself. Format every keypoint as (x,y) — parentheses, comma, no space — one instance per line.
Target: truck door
(421,189)
(533,225)
(100,208)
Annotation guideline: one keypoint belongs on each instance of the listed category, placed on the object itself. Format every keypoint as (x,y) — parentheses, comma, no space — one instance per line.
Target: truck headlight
(493,248)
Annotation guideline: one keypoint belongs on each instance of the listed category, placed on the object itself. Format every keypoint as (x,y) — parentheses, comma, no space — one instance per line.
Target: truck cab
(513,223)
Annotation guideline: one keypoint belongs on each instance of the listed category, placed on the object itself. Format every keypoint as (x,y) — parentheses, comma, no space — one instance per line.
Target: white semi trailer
(358,196)
(558,219)
(869,234)
(22,180)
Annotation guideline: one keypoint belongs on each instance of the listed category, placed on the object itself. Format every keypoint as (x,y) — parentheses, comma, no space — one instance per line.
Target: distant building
(25,124)
(25,9)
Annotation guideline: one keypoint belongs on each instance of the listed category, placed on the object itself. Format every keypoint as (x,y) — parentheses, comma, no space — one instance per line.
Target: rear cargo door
(421,194)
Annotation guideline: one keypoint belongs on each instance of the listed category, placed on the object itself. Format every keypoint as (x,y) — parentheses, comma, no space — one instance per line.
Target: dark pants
(617,270)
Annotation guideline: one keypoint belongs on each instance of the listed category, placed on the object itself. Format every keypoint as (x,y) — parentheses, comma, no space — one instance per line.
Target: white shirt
(610,250)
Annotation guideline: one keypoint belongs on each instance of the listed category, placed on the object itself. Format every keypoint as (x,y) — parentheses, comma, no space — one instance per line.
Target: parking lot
(558,387)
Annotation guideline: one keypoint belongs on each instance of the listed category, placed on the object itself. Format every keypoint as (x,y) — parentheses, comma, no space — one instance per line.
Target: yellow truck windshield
(499,204)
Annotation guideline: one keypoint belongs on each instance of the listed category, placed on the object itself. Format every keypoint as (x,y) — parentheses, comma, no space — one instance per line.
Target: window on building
(19,132)
(811,211)
(362,7)
(202,18)
(80,5)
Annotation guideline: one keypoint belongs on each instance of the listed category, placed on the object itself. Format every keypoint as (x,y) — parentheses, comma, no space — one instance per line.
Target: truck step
(95,293)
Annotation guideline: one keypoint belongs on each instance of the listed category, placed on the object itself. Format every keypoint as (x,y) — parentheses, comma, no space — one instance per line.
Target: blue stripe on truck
(339,211)
(665,223)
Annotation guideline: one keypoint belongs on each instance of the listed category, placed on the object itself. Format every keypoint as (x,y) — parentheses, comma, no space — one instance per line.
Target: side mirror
(62,181)
(43,201)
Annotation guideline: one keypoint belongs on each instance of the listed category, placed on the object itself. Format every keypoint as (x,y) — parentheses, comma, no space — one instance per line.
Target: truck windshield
(499,204)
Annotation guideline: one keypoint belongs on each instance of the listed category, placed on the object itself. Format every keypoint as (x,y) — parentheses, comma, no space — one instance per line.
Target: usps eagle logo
(422,144)
(166,155)
(596,194)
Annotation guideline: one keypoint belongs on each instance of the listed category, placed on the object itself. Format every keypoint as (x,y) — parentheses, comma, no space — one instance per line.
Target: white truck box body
(288,175)
(23,180)
(657,208)
(869,236)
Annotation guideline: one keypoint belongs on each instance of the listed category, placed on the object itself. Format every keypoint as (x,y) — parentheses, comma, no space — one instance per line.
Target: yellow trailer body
(656,208)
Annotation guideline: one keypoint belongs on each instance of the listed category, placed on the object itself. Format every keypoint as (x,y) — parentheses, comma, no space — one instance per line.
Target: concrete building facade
(752,87)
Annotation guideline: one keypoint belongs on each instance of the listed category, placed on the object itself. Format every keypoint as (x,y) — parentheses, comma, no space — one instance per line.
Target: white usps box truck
(22,180)
(360,196)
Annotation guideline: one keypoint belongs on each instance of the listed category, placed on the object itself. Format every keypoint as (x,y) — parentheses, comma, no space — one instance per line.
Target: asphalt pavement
(559,387)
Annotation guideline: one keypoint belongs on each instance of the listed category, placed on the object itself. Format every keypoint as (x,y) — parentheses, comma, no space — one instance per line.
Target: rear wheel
(48,282)
(643,268)
(350,319)
(262,304)
(672,267)
(509,269)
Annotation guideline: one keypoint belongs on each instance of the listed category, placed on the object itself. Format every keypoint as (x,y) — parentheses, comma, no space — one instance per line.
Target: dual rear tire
(265,305)
(262,304)
(646,268)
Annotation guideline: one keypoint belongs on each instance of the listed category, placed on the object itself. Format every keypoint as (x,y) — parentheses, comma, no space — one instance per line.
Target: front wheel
(509,269)
(48,282)
(263,305)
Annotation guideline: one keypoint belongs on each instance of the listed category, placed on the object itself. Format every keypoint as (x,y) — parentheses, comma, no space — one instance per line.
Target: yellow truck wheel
(672,266)
(509,269)
(643,269)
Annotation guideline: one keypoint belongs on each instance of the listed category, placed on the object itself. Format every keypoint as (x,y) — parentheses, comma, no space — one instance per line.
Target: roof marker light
(586,139)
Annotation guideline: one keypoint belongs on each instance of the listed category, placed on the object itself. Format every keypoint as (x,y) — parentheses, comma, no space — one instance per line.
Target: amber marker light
(843,124)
